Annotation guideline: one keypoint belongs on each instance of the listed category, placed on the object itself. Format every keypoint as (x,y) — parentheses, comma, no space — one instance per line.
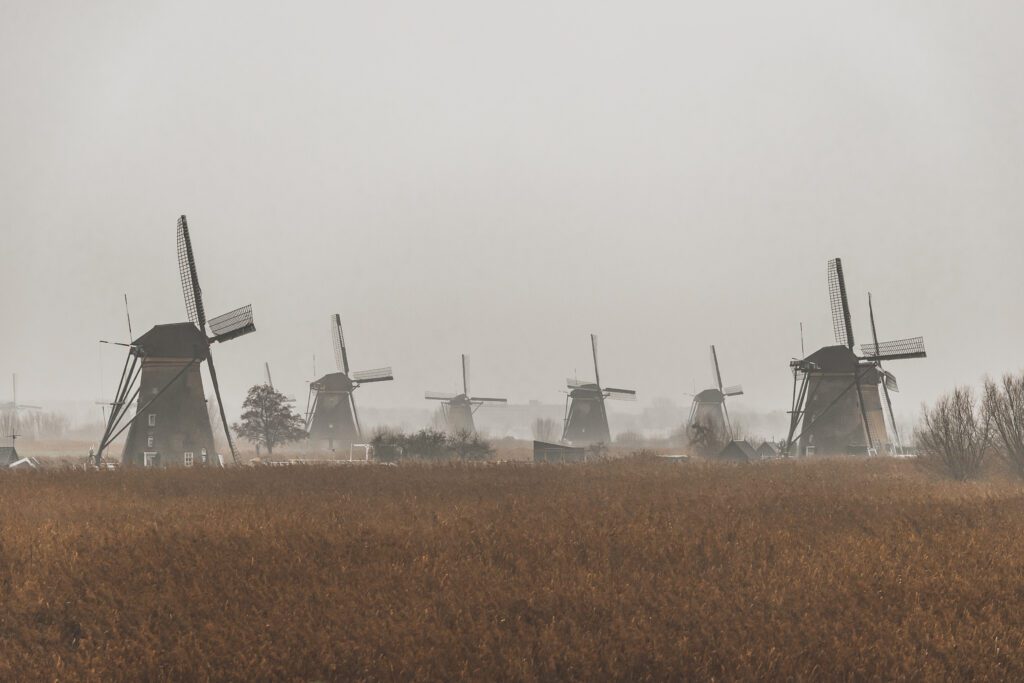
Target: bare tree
(1004,407)
(704,438)
(954,436)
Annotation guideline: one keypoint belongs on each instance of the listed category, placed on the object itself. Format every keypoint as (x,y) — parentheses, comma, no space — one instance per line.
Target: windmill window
(202,454)
(149,442)
(148,459)
(189,459)
(152,419)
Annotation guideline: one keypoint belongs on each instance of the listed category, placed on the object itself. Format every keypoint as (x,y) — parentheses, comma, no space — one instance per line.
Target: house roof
(738,450)
(767,449)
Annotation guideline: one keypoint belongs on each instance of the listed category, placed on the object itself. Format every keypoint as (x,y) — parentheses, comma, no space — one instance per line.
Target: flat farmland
(629,569)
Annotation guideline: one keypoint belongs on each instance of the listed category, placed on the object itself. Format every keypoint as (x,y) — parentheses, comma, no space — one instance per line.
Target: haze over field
(457,178)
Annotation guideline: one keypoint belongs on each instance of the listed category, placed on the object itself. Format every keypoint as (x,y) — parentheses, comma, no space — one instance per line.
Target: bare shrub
(470,446)
(1003,403)
(391,445)
(954,436)
(704,439)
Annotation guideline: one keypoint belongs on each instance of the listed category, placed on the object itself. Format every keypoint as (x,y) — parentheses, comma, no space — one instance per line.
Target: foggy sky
(502,179)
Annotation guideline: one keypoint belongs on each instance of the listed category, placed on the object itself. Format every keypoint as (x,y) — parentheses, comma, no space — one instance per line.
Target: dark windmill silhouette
(331,416)
(837,408)
(459,408)
(13,409)
(161,377)
(586,420)
(708,408)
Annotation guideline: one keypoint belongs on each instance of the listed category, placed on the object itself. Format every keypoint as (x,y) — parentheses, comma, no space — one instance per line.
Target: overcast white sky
(502,179)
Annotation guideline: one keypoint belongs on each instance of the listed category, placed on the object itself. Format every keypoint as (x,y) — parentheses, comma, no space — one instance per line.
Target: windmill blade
(840,304)
(340,353)
(376,375)
(734,390)
(270,381)
(593,346)
(438,396)
(716,372)
(189,277)
(220,406)
(890,382)
(484,399)
(620,394)
(232,324)
(895,350)
(465,374)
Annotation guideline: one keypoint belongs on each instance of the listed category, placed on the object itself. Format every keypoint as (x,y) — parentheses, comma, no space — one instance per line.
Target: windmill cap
(175,340)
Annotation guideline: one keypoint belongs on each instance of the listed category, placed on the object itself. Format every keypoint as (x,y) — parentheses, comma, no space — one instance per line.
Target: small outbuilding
(738,451)
(555,452)
(767,451)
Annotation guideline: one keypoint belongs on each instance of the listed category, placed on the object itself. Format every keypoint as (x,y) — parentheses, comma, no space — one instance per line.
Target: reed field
(632,569)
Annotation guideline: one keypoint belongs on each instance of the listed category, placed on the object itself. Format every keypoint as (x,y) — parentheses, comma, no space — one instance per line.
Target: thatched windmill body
(586,420)
(332,420)
(838,396)
(708,408)
(459,408)
(162,379)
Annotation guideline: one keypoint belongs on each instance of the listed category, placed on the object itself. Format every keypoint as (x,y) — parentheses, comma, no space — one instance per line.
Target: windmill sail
(338,336)
(232,324)
(840,304)
(189,278)
(897,349)
(377,375)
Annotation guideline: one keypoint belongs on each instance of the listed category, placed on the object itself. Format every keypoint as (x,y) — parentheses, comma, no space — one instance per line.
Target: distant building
(8,456)
(767,450)
(557,453)
(738,451)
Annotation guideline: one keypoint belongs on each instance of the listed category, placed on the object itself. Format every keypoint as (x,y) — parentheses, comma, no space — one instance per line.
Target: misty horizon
(453,181)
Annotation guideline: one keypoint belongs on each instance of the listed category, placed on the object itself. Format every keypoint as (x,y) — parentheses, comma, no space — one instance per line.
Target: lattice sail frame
(189,278)
(338,335)
(842,326)
(620,394)
(233,323)
(375,375)
(896,349)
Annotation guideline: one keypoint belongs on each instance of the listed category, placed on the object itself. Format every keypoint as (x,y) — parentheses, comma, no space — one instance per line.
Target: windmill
(12,409)
(459,408)
(586,420)
(269,381)
(708,406)
(836,406)
(161,377)
(331,415)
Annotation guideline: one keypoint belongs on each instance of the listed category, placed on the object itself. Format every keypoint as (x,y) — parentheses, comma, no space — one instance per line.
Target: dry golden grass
(621,570)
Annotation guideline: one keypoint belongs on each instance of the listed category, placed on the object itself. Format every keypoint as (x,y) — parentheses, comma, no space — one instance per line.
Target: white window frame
(149,458)
(150,441)
(190,458)
(152,419)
